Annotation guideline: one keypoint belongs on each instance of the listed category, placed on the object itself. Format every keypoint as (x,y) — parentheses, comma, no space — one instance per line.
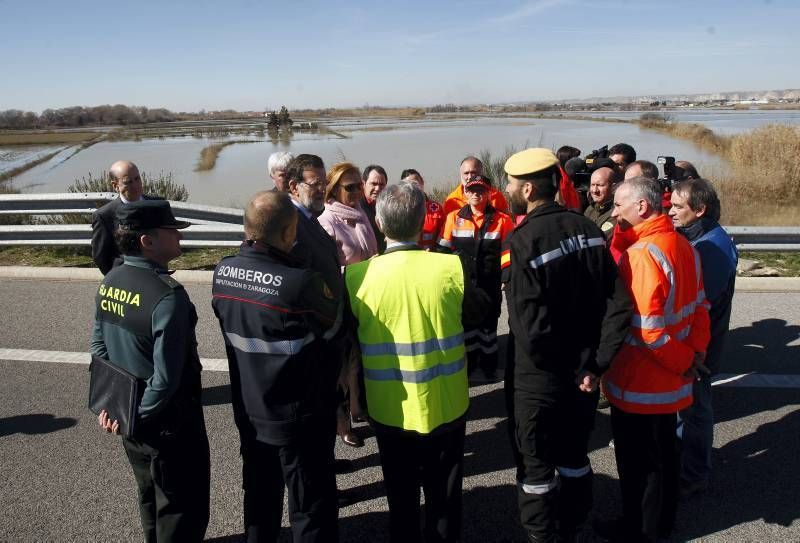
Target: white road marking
(757,380)
(65,357)
(744,380)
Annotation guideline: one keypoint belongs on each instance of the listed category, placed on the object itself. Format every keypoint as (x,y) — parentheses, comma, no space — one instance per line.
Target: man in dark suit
(375,180)
(127,182)
(305,183)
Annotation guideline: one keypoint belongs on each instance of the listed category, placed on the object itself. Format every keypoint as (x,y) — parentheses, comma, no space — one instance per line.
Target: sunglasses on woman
(352,187)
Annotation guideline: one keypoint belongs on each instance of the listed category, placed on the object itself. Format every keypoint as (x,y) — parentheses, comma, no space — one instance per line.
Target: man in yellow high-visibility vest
(411,306)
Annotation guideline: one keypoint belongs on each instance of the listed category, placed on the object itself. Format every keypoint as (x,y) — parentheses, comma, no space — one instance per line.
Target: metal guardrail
(196,236)
(765,238)
(69,203)
(214,226)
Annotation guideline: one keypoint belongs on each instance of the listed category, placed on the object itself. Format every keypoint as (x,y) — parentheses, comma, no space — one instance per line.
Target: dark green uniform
(600,214)
(145,324)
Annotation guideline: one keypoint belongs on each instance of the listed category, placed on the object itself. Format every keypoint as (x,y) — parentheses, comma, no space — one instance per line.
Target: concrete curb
(195,277)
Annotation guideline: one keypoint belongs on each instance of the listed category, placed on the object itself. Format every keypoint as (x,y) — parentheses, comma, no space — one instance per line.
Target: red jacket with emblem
(669,325)
(432,228)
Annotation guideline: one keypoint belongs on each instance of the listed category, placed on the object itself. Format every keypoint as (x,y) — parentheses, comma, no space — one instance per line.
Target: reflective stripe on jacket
(669,325)
(411,336)
(274,316)
(478,240)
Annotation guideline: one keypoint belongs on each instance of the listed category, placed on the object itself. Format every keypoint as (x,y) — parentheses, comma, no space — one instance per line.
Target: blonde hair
(335,175)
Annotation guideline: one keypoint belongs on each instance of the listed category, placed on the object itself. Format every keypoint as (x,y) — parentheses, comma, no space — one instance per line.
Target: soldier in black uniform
(568,315)
(275,317)
(145,324)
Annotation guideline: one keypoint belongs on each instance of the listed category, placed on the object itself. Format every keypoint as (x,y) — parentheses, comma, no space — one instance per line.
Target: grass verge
(77,257)
(81,257)
(787,264)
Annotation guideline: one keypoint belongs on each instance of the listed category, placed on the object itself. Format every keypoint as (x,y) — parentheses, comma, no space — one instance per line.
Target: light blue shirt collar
(302,209)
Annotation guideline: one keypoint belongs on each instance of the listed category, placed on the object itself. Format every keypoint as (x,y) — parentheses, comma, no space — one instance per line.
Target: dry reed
(209,154)
(763,187)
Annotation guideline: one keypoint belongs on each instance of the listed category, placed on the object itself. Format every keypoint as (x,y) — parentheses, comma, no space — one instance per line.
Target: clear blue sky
(248,54)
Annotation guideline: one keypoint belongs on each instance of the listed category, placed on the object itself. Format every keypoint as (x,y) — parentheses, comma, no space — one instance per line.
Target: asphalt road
(65,481)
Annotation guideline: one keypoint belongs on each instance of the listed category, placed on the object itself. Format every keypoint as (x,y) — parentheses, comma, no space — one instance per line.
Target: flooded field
(433,145)
(721,121)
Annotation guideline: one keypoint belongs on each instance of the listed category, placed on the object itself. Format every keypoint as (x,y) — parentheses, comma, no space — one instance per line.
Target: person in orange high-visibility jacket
(471,167)
(650,378)
(476,233)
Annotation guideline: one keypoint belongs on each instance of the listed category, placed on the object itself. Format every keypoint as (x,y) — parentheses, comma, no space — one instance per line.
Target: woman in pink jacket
(343,218)
(348,225)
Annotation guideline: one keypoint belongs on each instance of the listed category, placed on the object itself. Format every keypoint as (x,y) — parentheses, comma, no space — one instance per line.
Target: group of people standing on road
(354,300)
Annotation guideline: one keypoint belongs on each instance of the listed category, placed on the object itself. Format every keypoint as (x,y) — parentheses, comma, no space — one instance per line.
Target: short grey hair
(278,161)
(401,211)
(649,190)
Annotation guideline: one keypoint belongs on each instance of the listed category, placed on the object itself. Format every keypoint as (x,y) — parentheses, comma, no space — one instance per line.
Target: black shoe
(352,439)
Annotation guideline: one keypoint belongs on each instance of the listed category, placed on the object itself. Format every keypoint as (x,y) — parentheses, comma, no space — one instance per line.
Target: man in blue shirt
(695,213)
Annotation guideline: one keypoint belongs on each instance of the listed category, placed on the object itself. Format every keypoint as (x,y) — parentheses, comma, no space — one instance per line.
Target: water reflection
(433,146)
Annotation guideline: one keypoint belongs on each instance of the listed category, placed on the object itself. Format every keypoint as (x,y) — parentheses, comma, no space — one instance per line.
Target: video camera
(672,174)
(594,155)
(580,169)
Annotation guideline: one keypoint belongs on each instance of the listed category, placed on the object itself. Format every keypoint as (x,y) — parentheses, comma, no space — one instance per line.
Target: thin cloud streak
(527,10)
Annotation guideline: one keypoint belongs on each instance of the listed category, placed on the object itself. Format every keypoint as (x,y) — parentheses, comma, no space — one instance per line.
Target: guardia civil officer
(275,317)
(568,314)
(145,324)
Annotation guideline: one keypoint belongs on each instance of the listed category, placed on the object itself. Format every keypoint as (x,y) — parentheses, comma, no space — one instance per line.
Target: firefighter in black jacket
(568,315)
(274,317)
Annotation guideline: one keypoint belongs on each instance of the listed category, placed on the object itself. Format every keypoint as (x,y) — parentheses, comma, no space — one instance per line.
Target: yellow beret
(530,161)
